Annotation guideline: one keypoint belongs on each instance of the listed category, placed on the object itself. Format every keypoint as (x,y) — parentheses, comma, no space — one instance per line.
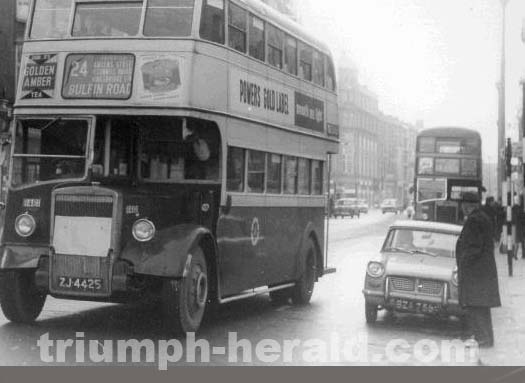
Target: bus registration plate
(81,284)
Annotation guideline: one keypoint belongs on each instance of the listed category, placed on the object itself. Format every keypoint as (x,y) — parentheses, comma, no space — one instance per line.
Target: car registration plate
(80,284)
(415,306)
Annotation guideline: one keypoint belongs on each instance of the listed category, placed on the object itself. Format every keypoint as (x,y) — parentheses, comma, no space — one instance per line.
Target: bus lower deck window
(235,171)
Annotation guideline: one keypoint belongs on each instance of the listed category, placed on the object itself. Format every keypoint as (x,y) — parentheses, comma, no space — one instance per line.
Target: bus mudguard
(167,253)
(20,257)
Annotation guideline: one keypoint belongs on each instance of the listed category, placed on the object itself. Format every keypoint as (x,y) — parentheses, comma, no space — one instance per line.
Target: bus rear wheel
(184,300)
(19,297)
(304,287)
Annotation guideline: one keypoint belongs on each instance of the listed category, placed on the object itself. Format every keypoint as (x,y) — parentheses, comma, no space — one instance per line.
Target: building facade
(12,25)
(377,153)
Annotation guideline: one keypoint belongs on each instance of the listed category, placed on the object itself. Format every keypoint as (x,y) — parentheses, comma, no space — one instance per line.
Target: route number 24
(79,69)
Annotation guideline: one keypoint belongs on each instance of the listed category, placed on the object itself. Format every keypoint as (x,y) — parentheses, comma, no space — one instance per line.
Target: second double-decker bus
(448,182)
(167,149)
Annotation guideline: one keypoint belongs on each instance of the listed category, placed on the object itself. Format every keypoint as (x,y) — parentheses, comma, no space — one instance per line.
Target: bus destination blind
(98,76)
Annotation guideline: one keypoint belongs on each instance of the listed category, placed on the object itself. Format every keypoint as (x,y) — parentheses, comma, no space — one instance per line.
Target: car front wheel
(370,313)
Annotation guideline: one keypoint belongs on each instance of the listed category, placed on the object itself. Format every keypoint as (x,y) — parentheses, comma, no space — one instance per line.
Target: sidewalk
(509,319)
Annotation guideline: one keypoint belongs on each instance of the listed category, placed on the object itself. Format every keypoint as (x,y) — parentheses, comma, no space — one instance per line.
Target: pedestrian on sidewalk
(477,273)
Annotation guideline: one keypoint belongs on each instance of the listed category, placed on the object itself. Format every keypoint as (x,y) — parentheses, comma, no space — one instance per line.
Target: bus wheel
(184,300)
(304,287)
(19,297)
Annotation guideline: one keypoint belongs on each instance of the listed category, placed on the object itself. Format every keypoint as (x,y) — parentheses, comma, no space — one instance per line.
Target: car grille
(421,286)
(402,284)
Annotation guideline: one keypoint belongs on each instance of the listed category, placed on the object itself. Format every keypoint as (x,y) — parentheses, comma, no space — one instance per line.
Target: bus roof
(284,22)
(449,132)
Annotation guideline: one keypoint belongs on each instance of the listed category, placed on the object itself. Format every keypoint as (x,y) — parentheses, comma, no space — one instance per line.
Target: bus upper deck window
(50,18)
(330,74)
(318,68)
(171,18)
(212,21)
(102,19)
(290,55)
(305,62)
(426,145)
(237,28)
(256,34)
(275,46)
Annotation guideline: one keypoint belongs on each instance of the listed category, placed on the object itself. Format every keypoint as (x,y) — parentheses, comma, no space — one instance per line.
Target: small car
(346,207)
(390,205)
(415,271)
(363,206)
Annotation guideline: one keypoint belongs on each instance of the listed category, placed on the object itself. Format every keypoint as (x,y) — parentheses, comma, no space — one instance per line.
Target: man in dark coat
(477,274)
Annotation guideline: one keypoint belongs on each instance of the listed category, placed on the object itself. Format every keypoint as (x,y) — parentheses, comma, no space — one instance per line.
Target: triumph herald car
(415,271)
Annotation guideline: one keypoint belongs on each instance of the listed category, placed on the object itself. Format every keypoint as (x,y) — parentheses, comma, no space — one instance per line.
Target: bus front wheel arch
(184,300)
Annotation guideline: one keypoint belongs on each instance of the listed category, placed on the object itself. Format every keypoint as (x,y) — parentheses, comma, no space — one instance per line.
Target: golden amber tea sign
(98,76)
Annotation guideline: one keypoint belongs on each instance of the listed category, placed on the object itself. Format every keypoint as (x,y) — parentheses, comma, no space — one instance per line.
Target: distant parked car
(363,206)
(346,207)
(391,205)
(415,271)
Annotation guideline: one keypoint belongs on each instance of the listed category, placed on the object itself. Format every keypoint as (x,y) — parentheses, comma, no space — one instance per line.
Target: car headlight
(25,225)
(375,269)
(143,230)
(455,280)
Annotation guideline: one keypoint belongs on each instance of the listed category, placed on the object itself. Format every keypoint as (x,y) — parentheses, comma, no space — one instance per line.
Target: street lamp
(501,105)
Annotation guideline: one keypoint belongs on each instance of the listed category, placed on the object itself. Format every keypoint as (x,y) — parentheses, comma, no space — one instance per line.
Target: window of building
(303,179)
(290,55)
(275,46)
(237,28)
(171,18)
(318,68)
(256,171)
(305,62)
(212,21)
(290,175)
(101,19)
(256,38)
(235,170)
(274,182)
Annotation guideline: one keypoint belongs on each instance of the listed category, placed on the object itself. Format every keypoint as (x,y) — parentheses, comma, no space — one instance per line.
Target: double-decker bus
(448,181)
(171,149)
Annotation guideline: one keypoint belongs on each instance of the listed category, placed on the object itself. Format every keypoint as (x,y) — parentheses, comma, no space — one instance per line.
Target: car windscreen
(413,241)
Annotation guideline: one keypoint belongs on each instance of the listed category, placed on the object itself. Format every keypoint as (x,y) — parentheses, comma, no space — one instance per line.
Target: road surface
(316,334)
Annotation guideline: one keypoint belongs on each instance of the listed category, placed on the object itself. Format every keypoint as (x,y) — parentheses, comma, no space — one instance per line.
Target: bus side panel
(259,246)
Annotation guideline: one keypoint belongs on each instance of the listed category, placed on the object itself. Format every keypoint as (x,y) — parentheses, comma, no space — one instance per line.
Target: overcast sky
(434,60)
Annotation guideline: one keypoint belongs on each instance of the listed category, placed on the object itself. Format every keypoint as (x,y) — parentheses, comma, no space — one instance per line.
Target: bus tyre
(184,300)
(19,297)
(370,313)
(304,287)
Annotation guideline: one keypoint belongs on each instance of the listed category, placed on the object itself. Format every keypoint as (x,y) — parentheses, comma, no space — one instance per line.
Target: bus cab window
(201,151)
(212,21)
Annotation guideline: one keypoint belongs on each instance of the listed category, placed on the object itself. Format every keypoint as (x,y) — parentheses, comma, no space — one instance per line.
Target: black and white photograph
(269,183)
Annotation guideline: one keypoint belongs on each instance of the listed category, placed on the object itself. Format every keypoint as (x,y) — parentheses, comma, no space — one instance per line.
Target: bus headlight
(375,269)
(425,217)
(25,225)
(143,230)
